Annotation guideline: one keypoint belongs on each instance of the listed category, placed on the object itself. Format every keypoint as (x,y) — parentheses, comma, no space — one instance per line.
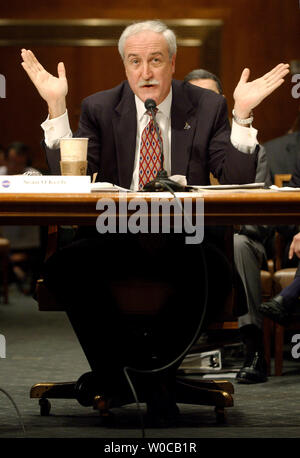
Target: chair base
(187,391)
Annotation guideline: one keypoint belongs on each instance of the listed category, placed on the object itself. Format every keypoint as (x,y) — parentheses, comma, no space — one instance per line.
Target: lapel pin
(187,126)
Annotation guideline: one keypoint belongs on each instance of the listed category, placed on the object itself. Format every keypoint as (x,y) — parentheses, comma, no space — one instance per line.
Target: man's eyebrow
(151,54)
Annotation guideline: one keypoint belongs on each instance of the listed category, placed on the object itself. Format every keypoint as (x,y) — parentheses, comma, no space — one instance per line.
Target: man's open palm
(248,94)
(51,88)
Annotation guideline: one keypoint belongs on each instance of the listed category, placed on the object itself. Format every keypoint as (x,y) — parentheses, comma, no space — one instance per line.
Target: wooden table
(221,207)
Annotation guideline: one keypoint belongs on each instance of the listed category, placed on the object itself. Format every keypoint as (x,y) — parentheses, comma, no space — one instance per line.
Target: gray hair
(202,74)
(153,26)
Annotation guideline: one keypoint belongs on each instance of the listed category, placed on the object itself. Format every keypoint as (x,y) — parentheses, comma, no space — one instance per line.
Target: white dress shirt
(242,138)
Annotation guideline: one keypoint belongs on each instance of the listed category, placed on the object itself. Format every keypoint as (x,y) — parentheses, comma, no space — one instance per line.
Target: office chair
(134,307)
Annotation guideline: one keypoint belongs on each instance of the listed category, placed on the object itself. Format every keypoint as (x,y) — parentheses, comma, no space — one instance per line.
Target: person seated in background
(18,159)
(280,307)
(249,257)
(3,166)
(282,152)
(24,240)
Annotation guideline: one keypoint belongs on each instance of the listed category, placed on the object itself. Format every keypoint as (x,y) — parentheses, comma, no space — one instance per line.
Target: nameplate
(44,184)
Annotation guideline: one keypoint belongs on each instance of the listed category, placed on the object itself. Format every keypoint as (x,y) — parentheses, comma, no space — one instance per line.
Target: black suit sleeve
(295,180)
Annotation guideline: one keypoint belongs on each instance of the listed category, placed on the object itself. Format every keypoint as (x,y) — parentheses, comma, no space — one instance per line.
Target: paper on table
(180,179)
(284,188)
(231,186)
(106,187)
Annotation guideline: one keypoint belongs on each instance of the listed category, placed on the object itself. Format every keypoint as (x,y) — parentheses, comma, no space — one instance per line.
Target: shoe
(254,370)
(277,309)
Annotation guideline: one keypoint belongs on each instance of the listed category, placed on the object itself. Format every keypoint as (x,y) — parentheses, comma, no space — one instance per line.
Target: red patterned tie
(150,162)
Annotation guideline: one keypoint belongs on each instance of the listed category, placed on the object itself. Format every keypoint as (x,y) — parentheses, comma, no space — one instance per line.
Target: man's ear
(173,63)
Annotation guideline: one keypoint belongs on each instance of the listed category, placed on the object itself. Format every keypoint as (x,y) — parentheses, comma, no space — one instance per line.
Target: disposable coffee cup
(73,167)
(73,155)
(73,149)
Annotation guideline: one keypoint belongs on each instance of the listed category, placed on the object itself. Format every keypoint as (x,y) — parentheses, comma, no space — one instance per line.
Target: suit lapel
(124,126)
(183,125)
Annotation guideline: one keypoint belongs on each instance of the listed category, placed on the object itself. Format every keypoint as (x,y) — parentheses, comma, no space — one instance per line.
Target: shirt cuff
(243,138)
(55,129)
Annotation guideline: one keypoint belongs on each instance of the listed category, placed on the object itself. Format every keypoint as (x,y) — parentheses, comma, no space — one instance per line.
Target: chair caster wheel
(101,403)
(220,416)
(45,407)
(85,389)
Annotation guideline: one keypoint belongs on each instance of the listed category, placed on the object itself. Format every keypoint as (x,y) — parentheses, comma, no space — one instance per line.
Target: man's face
(16,163)
(206,83)
(148,67)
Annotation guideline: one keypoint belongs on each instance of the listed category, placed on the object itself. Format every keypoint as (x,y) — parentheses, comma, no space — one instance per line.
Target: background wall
(257,34)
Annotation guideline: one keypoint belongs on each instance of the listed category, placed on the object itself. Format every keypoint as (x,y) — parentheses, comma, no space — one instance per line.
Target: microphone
(161,182)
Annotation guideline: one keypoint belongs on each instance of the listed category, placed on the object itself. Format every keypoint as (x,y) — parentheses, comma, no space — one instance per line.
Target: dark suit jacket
(108,119)
(282,153)
(295,180)
(284,157)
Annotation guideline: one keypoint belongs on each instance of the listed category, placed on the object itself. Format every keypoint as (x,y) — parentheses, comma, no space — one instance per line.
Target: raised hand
(51,88)
(248,94)
(295,246)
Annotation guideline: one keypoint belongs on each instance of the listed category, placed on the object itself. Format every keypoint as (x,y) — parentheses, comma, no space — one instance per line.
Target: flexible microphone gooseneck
(161,182)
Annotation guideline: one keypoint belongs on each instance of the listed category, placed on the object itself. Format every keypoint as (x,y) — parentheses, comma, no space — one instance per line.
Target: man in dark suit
(282,153)
(249,257)
(200,132)
(280,307)
(197,140)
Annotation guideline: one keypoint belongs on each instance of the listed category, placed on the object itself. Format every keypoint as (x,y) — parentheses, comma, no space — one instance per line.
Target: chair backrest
(282,179)
(213,180)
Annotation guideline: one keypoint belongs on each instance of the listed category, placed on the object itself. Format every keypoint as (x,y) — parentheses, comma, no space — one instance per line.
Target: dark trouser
(83,275)
(292,291)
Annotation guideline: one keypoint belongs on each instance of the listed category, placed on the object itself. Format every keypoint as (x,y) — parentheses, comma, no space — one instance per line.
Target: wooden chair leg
(279,335)
(268,331)
(5,278)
